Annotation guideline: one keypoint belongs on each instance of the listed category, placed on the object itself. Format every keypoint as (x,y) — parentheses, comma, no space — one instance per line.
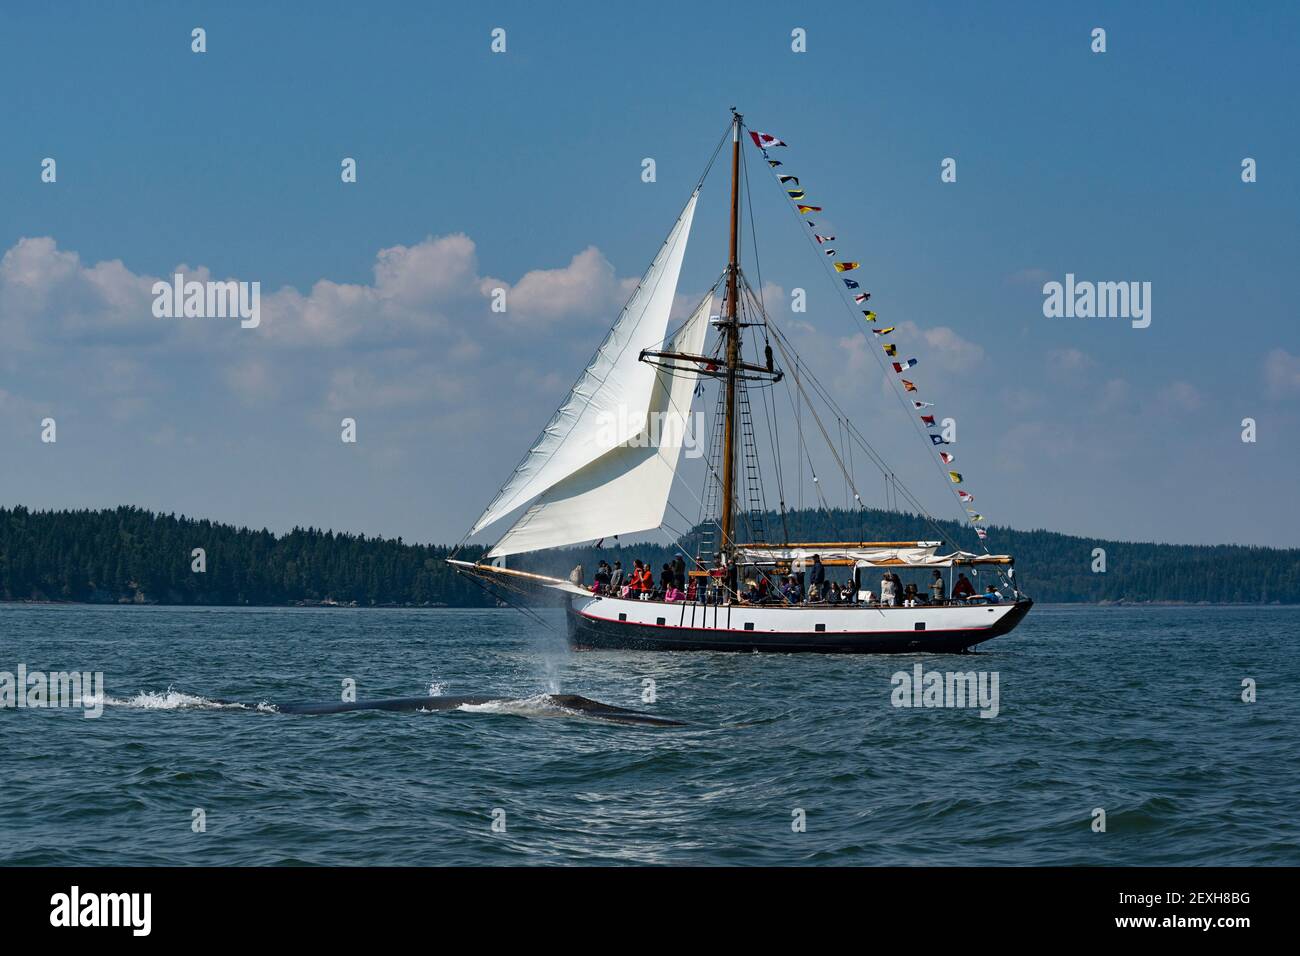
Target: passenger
(963,589)
(616,578)
(602,578)
(898,589)
(816,577)
(992,595)
(674,593)
(792,593)
(750,594)
(814,595)
(909,596)
(936,587)
(642,581)
(887,589)
(679,571)
(667,579)
(764,589)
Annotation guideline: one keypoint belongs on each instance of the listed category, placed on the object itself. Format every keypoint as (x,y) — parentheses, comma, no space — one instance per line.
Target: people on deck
(674,584)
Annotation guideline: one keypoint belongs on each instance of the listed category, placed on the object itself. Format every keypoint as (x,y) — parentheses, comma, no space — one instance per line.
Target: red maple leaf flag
(764,140)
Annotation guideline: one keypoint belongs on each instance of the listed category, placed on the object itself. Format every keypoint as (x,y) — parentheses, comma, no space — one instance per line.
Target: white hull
(607,622)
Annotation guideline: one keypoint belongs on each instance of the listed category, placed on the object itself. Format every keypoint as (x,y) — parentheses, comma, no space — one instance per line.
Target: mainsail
(626,489)
(610,401)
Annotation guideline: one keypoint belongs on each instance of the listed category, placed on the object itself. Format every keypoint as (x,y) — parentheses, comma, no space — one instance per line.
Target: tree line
(129,555)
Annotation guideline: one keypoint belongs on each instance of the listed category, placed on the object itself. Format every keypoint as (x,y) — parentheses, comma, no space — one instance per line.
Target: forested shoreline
(128,555)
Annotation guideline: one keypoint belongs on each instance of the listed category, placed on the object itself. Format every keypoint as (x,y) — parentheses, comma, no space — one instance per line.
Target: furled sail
(609,402)
(626,489)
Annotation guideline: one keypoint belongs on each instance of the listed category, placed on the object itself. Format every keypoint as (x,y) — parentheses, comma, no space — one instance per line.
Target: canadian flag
(764,140)
(965,496)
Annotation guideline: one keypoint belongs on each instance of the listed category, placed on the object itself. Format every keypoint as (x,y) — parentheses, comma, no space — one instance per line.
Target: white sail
(609,402)
(626,489)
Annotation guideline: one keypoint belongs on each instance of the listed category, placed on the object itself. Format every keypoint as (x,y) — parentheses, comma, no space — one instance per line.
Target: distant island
(131,556)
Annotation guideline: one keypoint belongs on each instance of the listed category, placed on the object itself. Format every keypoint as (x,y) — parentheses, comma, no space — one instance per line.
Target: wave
(172,699)
(539,705)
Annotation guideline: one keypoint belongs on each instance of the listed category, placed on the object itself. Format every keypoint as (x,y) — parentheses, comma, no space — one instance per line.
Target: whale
(584,706)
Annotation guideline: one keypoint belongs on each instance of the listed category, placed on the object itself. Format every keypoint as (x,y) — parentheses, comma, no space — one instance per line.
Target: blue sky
(525,168)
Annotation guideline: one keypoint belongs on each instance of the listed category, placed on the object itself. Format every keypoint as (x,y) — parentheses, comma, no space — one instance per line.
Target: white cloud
(943,346)
(1115,394)
(415,334)
(1282,373)
(586,286)
(1179,397)
(1068,360)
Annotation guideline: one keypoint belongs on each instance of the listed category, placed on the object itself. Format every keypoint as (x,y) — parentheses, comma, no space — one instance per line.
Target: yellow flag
(846,266)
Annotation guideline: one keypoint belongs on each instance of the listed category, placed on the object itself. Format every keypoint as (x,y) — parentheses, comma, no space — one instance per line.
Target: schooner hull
(600,623)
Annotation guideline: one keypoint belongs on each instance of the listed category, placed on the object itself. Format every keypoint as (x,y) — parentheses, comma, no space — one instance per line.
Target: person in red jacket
(642,581)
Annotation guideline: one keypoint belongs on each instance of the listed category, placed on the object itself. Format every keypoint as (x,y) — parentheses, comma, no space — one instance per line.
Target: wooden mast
(732,326)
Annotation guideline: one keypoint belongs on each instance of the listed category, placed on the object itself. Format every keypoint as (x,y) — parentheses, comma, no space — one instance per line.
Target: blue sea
(784,760)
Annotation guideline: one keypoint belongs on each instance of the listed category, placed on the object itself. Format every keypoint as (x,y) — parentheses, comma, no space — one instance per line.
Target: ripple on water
(1132,710)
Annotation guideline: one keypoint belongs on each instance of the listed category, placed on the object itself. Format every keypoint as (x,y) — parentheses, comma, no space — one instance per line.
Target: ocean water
(1137,711)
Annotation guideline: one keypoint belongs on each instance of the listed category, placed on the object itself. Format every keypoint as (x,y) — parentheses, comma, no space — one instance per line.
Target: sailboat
(606,462)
